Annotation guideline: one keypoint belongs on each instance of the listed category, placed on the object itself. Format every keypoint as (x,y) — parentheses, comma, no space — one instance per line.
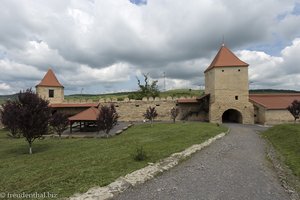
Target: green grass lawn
(67,166)
(286,140)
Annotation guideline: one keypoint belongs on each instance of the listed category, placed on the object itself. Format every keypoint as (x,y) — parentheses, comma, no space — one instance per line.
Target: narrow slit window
(236,97)
(239,70)
(222,70)
(51,93)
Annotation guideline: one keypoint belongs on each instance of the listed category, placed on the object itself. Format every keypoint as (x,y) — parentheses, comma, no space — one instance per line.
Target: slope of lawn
(286,140)
(67,166)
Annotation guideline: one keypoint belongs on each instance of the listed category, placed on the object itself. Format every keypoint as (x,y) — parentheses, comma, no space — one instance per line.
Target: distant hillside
(266,91)
(123,95)
(4,98)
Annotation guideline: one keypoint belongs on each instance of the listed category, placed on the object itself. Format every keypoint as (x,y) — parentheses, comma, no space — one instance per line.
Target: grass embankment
(286,140)
(68,166)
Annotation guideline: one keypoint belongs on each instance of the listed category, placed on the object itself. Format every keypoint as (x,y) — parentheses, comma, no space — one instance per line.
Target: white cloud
(105,43)
(274,71)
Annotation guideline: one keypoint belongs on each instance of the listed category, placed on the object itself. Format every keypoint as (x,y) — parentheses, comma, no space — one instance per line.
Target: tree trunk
(30,148)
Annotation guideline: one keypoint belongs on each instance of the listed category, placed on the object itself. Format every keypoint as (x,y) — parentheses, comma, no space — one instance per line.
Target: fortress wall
(133,110)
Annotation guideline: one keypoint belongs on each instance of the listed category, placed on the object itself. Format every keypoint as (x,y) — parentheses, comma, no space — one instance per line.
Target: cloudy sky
(101,46)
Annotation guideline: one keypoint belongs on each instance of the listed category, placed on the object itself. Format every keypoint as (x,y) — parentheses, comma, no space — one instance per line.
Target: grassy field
(286,140)
(68,166)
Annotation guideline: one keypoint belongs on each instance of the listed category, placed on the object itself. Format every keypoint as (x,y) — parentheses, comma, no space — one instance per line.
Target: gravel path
(234,167)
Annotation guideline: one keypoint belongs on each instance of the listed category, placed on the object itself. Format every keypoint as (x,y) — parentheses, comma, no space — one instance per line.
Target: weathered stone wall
(43,92)
(217,109)
(228,89)
(133,110)
(191,112)
(278,116)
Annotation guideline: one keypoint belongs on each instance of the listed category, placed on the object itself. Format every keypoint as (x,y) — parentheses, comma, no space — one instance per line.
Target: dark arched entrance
(233,116)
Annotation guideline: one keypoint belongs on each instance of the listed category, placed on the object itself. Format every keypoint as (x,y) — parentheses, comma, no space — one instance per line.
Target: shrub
(150,114)
(107,119)
(294,109)
(140,154)
(59,122)
(9,114)
(174,113)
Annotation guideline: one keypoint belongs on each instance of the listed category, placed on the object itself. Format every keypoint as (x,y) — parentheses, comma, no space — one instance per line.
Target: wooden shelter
(86,118)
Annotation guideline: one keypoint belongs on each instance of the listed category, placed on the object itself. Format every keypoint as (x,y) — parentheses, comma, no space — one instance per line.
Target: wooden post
(71,123)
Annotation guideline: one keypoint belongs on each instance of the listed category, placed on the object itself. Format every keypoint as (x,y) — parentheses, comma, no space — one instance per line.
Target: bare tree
(294,109)
(107,118)
(150,114)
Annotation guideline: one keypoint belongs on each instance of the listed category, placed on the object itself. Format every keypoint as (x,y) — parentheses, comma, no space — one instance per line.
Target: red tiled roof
(73,105)
(50,80)
(89,114)
(225,58)
(274,101)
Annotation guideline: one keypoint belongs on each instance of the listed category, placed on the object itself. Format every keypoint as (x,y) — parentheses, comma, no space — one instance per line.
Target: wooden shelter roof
(89,114)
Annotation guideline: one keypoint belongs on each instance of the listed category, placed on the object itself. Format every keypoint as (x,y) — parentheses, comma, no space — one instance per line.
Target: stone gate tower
(50,88)
(226,81)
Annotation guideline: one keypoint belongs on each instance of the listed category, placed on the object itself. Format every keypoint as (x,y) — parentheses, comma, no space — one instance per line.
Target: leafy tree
(146,90)
(59,122)
(294,109)
(33,117)
(174,113)
(107,118)
(8,114)
(150,114)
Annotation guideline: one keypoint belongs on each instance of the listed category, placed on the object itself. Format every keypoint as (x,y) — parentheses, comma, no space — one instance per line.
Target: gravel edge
(285,175)
(142,175)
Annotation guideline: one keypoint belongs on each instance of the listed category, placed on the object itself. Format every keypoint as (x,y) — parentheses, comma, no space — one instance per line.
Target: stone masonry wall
(43,92)
(132,110)
(228,89)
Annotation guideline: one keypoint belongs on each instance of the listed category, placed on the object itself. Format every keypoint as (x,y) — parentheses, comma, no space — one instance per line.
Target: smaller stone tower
(50,89)
(226,81)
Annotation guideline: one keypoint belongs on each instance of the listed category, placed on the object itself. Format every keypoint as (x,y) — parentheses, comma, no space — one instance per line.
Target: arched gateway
(232,115)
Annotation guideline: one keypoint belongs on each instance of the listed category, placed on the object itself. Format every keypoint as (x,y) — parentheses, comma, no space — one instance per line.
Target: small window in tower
(51,93)
(236,97)
(222,70)
(239,70)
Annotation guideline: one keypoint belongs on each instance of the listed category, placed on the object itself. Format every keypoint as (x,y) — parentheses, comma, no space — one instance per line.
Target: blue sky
(102,46)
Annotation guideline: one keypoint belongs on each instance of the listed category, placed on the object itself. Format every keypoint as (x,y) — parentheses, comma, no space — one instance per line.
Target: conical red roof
(225,58)
(50,80)
(89,114)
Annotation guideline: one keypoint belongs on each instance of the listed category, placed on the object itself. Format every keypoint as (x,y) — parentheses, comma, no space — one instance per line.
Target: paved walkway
(234,167)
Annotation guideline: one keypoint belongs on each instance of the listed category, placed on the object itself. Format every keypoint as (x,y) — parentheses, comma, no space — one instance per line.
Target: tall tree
(107,118)
(59,122)
(294,109)
(148,89)
(33,117)
(174,113)
(150,114)
(8,114)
